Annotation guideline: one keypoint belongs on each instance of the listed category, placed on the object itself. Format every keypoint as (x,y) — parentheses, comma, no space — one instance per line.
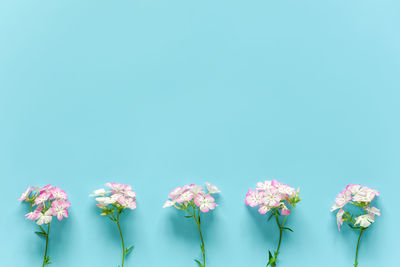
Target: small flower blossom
(212,189)
(364,220)
(60,209)
(339,218)
(204,202)
(254,198)
(45,218)
(275,197)
(25,195)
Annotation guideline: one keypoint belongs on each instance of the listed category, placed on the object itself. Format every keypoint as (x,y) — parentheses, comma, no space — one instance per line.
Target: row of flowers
(353,206)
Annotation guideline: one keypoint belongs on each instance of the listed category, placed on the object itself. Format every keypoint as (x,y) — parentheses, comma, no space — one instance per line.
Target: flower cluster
(46,202)
(118,196)
(112,203)
(194,200)
(278,198)
(183,196)
(272,195)
(358,196)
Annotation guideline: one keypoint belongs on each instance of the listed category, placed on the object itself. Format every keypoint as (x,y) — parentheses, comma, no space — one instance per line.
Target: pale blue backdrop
(162,93)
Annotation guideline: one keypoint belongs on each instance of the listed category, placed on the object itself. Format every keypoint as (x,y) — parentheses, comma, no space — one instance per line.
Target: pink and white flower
(339,218)
(46,202)
(205,202)
(357,196)
(254,197)
(45,218)
(212,189)
(272,195)
(182,197)
(120,196)
(58,194)
(60,209)
(26,194)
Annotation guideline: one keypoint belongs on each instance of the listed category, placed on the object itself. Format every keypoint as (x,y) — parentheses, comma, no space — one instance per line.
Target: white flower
(104,201)
(365,220)
(212,189)
(264,185)
(98,192)
(196,189)
(168,204)
(45,218)
(373,211)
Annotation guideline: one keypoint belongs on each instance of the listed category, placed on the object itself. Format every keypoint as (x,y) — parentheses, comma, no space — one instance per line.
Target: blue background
(159,94)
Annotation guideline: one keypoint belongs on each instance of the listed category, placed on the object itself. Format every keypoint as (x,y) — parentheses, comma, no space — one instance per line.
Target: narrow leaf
(41,234)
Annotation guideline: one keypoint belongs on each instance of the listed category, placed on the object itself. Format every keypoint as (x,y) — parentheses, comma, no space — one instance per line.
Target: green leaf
(128,250)
(46,261)
(199,263)
(270,217)
(287,228)
(41,233)
(272,259)
(187,216)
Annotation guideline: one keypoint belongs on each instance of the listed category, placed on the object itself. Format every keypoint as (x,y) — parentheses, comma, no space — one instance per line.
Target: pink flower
(34,215)
(204,202)
(43,197)
(263,208)
(58,193)
(254,198)
(272,197)
(184,197)
(127,202)
(59,209)
(26,194)
(177,192)
(285,210)
(339,218)
(341,200)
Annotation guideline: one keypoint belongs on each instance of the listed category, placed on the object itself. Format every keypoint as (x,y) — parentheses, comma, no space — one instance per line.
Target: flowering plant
(277,198)
(194,200)
(360,198)
(112,203)
(45,202)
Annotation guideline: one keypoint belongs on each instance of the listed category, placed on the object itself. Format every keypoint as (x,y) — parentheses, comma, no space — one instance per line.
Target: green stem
(202,240)
(122,240)
(358,245)
(197,220)
(47,244)
(281,227)
(280,235)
